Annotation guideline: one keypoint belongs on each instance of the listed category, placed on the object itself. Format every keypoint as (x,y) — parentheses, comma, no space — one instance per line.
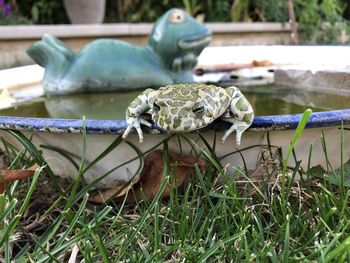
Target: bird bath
(57,121)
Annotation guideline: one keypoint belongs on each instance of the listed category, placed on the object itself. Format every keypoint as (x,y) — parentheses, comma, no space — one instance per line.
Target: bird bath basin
(57,121)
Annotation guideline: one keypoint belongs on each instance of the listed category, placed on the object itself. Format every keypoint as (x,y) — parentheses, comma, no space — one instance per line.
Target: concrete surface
(331,81)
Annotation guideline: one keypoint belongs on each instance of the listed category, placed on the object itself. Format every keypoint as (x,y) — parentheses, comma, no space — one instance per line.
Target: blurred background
(319,21)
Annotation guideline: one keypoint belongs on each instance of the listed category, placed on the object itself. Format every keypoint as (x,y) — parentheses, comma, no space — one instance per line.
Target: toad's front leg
(134,113)
(241,114)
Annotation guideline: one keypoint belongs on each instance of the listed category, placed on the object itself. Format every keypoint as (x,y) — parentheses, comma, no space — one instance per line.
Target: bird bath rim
(271,122)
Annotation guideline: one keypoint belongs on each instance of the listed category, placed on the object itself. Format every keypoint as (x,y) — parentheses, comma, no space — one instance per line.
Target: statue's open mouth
(196,41)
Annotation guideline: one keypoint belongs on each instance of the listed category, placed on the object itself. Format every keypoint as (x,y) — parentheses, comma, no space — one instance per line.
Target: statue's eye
(177,16)
(198,108)
(156,107)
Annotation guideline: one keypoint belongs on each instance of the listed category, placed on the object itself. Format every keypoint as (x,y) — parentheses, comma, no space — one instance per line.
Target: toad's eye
(177,16)
(198,108)
(156,107)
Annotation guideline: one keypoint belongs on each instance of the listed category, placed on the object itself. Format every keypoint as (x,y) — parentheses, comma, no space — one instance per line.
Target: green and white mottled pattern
(187,107)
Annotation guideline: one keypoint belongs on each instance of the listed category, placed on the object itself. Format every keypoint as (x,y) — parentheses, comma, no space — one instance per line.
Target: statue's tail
(52,54)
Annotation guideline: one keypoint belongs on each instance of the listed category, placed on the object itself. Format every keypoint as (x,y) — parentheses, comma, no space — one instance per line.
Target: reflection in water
(93,106)
(266,100)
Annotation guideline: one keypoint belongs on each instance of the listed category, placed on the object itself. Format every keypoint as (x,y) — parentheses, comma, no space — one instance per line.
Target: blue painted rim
(273,122)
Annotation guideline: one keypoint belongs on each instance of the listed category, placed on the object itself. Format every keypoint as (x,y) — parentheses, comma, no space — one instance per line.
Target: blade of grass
(208,156)
(14,221)
(110,148)
(80,174)
(309,157)
(342,174)
(299,130)
(18,158)
(77,237)
(6,210)
(100,245)
(72,223)
(213,249)
(325,151)
(94,182)
(259,146)
(66,154)
(343,247)
(10,150)
(210,149)
(33,151)
(286,241)
(244,163)
(53,255)
(142,220)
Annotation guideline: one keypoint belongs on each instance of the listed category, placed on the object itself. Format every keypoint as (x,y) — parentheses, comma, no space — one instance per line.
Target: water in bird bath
(266,100)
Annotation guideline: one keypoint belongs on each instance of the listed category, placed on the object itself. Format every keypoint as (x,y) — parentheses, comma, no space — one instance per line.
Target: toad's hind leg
(241,114)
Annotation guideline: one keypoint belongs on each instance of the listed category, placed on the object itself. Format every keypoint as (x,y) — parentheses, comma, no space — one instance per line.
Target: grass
(241,217)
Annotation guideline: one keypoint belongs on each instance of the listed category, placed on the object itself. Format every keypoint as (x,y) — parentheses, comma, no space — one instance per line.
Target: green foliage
(37,12)
(320,21)
(240,10)
(8,16)
(255,10)
(12,204)
(133,11)
(217,11)
(149,11)
(13,19)
(47,12)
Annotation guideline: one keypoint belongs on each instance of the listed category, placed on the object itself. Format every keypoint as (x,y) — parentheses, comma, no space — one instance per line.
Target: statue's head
(176,33)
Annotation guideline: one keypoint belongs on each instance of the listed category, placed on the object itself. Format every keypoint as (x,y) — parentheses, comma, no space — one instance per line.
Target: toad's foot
(239,127)
(135,122)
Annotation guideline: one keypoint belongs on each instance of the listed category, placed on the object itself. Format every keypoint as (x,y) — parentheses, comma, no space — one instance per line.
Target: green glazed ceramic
(170,56)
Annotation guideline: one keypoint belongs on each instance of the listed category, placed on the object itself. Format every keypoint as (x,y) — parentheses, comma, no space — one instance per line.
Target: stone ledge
(330,81)
(248,27)
(14,40)
(124,29)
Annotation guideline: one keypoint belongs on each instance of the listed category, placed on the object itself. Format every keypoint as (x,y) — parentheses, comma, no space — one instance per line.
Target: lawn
(276,213)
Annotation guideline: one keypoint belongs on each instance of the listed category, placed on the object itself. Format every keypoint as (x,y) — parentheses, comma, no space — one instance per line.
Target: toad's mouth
(195,41)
